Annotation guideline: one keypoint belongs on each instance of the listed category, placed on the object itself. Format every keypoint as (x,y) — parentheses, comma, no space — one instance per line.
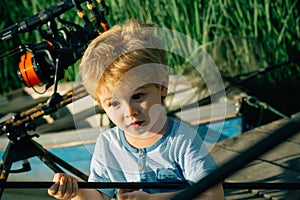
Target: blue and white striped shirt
(178,156)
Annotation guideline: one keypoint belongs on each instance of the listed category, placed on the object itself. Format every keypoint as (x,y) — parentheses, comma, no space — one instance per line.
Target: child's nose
(131,110)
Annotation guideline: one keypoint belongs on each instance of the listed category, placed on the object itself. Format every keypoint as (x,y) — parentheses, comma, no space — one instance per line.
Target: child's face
(136,110)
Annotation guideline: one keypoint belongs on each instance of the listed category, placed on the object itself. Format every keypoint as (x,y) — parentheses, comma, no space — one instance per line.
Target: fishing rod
(23,119)
(237,81)
(39,19)
(148,185)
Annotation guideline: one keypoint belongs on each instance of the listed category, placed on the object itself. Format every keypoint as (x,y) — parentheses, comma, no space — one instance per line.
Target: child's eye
(113,104)
(137,96)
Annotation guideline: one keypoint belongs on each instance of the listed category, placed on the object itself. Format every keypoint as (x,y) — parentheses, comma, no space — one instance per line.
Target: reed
(240,36)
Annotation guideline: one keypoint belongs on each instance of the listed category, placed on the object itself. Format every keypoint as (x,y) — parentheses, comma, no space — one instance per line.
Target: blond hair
(117,51)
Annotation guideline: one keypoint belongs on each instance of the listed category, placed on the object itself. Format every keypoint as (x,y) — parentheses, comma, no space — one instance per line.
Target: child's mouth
(137,124)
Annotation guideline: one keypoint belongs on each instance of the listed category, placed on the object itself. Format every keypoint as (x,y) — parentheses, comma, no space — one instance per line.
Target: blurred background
(255,44)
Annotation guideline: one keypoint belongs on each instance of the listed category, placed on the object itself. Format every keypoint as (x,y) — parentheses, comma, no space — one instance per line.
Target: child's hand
(131,194)
(65,186)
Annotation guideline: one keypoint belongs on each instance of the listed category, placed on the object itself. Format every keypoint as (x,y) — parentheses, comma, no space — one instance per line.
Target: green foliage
(240,36)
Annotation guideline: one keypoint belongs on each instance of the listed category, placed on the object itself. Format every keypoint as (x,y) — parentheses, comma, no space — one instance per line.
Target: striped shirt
(178,156)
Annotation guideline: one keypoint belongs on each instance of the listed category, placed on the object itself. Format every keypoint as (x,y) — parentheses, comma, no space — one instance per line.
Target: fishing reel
(44,62)
(38,65)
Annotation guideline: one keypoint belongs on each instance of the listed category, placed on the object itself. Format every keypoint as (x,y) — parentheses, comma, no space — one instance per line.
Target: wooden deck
(279,165)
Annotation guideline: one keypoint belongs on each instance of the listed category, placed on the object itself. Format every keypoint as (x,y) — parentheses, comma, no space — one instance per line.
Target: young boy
(124,70)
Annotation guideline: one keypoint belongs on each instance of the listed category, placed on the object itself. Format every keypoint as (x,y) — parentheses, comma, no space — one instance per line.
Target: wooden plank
(241,194)
(281,164)
(210,113)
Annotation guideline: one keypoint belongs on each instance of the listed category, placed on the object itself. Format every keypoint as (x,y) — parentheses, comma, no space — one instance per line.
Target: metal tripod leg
(50,159)
(27,148)
(5,168)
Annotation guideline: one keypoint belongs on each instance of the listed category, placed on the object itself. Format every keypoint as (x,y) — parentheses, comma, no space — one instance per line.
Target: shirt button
(141,153)
(141,168)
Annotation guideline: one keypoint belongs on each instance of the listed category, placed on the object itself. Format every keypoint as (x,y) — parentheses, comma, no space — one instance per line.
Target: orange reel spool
(27,71)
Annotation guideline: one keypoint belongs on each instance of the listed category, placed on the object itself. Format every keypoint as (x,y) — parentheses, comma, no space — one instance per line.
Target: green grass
(241,36)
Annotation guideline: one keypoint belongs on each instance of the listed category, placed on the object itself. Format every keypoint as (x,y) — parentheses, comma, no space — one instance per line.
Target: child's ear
(164,91)
(164,86)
